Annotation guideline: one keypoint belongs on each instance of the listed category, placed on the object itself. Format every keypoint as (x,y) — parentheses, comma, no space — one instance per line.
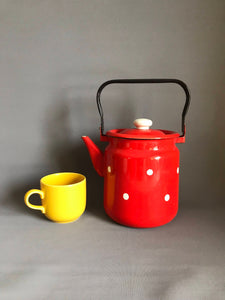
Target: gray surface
(95,258)
(53,57)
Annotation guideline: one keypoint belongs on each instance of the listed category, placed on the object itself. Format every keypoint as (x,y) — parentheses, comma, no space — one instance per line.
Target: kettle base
(139,224)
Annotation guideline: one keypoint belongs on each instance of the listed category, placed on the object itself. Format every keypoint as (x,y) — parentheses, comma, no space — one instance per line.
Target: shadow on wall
(65,148)
(68,119)
(219,145)
(65,121)
(65,152)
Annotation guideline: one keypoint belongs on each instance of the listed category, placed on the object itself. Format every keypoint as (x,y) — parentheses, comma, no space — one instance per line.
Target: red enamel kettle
(140,167)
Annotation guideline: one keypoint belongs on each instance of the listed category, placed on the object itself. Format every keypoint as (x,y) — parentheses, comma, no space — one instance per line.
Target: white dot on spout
(178,169)
(125,196)
(167,197)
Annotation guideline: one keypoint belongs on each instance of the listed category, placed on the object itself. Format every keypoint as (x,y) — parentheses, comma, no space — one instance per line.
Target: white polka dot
(167,197)
(157,157)
(125,196)
(149,172)
(178,169)
(109,169)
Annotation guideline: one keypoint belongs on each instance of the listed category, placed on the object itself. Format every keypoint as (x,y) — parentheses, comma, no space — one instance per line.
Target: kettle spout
(97,157)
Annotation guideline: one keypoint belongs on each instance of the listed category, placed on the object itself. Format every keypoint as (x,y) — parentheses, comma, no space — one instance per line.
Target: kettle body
(140,168)
(141,182)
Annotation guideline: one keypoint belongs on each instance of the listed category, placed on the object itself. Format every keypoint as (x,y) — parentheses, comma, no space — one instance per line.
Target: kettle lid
(142,131)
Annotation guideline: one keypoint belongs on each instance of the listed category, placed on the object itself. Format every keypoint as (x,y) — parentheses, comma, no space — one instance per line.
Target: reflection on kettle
(140,167)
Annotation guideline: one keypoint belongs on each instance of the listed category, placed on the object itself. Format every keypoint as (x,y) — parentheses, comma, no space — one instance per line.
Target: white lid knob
(142,123)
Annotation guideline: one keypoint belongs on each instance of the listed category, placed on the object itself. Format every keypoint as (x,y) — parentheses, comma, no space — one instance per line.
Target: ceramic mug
(63,196)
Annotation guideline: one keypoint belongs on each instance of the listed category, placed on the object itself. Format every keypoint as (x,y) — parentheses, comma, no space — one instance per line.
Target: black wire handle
(130,81)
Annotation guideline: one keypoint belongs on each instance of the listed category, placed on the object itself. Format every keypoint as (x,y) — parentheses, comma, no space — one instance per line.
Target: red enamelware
(140,167)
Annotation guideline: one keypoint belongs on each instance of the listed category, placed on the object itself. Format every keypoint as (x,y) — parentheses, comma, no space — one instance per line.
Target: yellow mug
(63,196)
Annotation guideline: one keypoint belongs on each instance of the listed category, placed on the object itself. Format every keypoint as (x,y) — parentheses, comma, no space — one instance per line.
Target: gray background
(53,57)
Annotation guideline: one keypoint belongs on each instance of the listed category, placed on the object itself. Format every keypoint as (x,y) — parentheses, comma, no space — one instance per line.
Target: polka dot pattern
(149,172)
(167,197)
(125,196)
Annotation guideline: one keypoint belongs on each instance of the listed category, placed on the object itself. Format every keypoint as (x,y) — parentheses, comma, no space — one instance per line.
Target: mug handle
(27,196)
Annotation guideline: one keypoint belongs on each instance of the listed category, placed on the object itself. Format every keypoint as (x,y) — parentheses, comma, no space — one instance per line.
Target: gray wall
(53,56)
